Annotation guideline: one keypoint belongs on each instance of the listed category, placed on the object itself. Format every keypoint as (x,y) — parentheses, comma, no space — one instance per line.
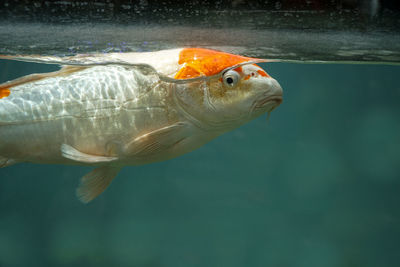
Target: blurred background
(316,185)
(299,30)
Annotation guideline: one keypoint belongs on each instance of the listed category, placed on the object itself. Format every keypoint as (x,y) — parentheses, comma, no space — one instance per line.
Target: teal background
(316,185)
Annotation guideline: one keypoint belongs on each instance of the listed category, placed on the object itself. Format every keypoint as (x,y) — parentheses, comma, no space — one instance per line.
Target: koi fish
(113,110)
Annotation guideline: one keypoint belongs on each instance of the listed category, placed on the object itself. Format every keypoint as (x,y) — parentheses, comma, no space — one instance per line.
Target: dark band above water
(355,31)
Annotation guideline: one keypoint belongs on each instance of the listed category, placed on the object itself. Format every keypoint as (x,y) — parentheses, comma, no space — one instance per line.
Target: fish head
(244,93)
(234,92)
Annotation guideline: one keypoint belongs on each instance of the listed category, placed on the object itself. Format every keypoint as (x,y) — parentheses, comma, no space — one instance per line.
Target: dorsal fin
(6,88)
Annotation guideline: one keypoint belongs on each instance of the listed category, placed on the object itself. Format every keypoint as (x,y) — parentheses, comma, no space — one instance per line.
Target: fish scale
(76,108)
(69,96)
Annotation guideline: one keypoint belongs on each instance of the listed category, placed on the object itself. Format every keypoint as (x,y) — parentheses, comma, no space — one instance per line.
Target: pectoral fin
(95,182)
(157,141)
(71,153)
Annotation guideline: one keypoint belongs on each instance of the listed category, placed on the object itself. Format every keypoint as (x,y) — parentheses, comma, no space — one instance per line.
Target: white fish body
(96,110)
(126,113)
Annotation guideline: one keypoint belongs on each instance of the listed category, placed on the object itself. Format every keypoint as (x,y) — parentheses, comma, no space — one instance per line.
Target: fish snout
(272,98)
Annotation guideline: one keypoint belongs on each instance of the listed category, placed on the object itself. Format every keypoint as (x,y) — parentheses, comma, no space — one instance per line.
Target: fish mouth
(271,101)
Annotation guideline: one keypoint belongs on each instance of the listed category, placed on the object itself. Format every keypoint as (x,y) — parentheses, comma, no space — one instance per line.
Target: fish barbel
(114,110)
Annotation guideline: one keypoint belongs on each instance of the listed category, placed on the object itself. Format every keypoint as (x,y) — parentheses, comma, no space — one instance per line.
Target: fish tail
(5,162)
(4,92)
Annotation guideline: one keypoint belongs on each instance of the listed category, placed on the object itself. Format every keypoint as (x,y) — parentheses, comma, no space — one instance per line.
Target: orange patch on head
(238,69)
(4,92)
(263,73)
(204,62)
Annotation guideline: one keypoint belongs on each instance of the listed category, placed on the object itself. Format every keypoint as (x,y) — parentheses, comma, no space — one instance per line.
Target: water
(318,185)
(344,45)
(312,30)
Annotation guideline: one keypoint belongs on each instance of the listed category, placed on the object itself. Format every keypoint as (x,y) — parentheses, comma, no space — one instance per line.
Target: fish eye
(231,78)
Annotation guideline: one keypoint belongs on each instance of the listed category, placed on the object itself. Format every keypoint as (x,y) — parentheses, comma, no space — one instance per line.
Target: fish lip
(276,99)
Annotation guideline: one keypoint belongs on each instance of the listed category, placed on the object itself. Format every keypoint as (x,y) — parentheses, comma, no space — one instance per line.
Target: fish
(127,109)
